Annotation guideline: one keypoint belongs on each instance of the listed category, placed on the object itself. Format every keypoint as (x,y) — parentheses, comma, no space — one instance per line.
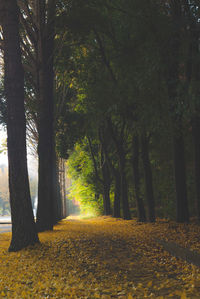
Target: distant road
(5,219)
(5,224)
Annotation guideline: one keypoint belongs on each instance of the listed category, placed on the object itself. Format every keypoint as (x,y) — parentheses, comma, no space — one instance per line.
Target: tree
(104,138)
(136,177)
(38,20)
(103,176)
(176,108)
(137,64)
(23,225)
(118,136)
(192,76)
(46,183)
(148,177)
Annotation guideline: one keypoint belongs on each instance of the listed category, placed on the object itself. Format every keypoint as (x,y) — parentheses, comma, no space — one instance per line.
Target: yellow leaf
(84,51)
(24,294)
(149,284)
(177,292)
(183,295)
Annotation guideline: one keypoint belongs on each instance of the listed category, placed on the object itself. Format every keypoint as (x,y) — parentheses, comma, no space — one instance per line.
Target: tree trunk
(57,201)
(173,81)
(123,181)
(62,187)
(148,178)
(46,146)
(103,137)
(196,130)
(106,184)
(106,199)
(117,197)
(182,212)
(136,177)
(194,73)
(23,225)
(118,141)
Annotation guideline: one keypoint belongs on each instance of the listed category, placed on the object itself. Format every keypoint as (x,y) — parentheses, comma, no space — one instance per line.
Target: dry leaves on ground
(102,258)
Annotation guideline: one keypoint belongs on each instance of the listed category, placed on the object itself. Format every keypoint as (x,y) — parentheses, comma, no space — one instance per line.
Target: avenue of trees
(112,87)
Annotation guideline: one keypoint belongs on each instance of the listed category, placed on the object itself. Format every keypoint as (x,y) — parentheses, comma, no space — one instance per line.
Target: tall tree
(38,19)
(136,177)
(23,225)
(104,137)
(192,89)
(119,141)
(103,179)
(46,146)
(148,177)
(173,79)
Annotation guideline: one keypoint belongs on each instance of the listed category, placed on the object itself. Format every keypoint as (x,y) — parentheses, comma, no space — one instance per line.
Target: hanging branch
(104,58)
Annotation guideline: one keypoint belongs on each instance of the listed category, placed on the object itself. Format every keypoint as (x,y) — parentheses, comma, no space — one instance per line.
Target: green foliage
(114,63)
(3,147)
(81,172)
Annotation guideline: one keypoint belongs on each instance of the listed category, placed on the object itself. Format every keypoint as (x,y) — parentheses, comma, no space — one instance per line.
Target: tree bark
(194,73)
(123,181)
(104,180)
(117,196)
(62,187)
(118,141)
(103,137)
(46,145)
(106,184)
(23,225)
(196,140)
(148,178)
(105,172)
(173,81)
(57,200)
(182,212)
(136,178)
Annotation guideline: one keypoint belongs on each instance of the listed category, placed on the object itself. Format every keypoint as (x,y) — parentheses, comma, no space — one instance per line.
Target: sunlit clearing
(87,215)
(73,217)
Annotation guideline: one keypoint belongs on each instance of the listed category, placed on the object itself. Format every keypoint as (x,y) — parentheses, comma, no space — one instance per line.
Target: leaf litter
(102,258)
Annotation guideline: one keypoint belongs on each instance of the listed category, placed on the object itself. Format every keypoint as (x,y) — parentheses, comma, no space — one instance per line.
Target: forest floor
(102,258)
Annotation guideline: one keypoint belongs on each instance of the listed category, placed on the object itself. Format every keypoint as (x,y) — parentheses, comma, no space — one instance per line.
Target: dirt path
(100,258)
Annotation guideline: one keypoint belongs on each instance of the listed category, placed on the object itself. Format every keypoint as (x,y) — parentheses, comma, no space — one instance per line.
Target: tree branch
(94,161)
(104,58)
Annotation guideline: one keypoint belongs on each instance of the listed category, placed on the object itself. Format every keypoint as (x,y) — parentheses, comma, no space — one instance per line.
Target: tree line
(134,70)
(113,88)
